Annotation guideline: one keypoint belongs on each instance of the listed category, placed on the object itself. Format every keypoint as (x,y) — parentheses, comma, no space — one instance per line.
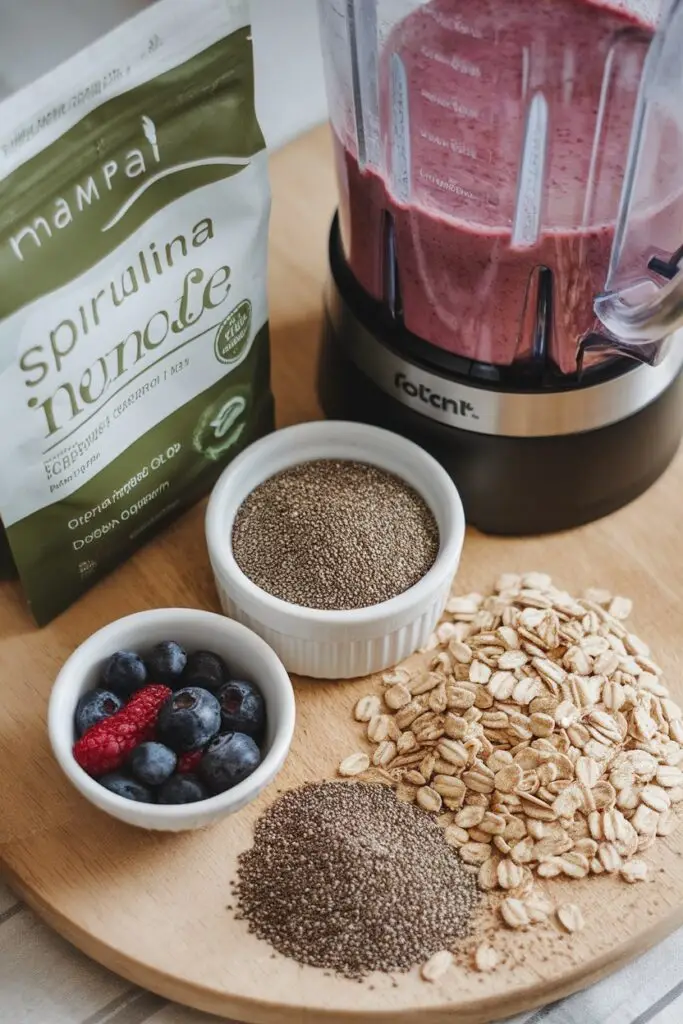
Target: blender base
(588,449)
(513,485)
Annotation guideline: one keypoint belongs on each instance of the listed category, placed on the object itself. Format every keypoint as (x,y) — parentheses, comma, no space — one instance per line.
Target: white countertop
(289,75)
(290,90)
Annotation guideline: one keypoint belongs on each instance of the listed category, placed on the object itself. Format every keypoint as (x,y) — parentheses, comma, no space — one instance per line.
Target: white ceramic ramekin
(336,644)
(247,657)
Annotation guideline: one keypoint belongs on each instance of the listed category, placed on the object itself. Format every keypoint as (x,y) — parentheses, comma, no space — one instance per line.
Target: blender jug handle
(648,320)
(642,304)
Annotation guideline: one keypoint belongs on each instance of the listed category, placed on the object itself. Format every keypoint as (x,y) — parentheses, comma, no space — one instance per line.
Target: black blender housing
(510,483)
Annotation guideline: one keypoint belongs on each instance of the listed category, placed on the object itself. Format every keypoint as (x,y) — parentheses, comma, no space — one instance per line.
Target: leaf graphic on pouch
(150,130)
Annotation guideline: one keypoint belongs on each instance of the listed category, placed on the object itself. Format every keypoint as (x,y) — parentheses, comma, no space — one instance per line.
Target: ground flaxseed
(335,535)
(345,877)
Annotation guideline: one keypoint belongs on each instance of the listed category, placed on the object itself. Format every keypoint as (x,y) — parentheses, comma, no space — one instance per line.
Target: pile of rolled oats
(542,733)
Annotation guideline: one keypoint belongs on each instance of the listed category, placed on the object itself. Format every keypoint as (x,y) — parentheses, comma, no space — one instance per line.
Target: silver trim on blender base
(487,410)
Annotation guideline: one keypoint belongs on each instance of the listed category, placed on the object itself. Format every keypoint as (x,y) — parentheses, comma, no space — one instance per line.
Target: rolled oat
(437,965)
(485,958)
(570,917)
(545,725)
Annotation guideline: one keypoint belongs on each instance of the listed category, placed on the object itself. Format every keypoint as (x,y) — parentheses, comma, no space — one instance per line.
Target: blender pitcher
(506,253)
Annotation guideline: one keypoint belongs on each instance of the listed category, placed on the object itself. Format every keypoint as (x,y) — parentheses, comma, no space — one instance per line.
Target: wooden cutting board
(153,907)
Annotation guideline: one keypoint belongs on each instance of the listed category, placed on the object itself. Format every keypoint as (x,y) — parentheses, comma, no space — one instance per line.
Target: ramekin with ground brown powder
(335,535)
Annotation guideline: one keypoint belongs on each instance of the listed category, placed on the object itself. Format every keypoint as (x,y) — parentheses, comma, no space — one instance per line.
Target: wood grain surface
(154,907)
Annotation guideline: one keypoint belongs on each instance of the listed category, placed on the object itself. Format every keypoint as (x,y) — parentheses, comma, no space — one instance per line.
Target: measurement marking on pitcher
(448,103)
(450,144)
(463,66)
(448,185)
(453,24)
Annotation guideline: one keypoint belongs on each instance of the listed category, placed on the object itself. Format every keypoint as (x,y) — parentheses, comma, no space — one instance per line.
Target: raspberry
(105,747)
(188,763)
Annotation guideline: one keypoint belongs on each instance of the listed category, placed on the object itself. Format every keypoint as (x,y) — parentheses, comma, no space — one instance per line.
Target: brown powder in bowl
(335,534)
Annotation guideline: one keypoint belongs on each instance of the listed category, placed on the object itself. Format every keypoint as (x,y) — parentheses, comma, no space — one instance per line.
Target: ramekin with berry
(171,719)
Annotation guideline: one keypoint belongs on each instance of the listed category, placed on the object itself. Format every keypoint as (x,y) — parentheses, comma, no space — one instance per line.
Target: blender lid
(643,299)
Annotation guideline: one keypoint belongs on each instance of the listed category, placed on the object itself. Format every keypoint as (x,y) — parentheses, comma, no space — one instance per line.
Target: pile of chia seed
(343,876)
(335,535)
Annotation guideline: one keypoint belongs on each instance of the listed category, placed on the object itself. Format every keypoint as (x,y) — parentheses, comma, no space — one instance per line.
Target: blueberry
(94,707)
(124,673)
(182,789)
(128,788)
(166,663)
(229,759)
(189,719)
(152,763)
(242,709)
(206,669)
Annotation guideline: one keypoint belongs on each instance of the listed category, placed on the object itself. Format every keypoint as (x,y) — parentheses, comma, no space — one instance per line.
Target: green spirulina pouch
(134,360)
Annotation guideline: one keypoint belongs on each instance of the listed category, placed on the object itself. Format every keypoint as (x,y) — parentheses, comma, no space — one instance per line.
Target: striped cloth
(43,980)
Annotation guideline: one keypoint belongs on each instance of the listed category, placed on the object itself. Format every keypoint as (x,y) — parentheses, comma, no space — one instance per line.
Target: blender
(504,281)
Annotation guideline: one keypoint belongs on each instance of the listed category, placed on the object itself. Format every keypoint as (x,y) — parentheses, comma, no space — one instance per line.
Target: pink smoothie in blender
(504,131)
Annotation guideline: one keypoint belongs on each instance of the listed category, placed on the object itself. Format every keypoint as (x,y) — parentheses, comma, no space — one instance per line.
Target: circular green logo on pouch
(233,334)
(222,424)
